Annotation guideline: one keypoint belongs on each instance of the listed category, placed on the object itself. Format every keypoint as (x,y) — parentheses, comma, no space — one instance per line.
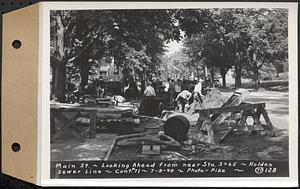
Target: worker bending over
(182,101)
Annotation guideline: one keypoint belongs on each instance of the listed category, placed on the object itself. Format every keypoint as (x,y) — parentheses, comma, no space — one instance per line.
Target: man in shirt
(149,91)
(167,85)
(100,87)
(198,87)
(182,99)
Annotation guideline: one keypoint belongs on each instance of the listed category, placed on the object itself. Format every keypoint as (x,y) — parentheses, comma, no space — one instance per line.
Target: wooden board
(231,109)
(100,110)
(234,100)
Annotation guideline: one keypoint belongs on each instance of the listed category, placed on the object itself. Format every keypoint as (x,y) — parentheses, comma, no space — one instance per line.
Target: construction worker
(198,87)
(182,100)
(149,91)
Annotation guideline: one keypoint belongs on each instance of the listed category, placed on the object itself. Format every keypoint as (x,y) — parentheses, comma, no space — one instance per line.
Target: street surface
(277,105)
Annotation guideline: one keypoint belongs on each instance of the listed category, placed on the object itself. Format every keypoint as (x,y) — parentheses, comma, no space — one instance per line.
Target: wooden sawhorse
(253,110)
(56,113)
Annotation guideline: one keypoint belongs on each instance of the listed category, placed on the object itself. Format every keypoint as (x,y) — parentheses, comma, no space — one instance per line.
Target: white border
(44,109)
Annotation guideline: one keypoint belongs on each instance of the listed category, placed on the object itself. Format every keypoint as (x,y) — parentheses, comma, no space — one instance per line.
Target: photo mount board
(23,66)
(20,93)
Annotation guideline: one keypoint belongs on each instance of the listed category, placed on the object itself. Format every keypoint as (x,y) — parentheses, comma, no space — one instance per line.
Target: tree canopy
(235,37)
(135,39)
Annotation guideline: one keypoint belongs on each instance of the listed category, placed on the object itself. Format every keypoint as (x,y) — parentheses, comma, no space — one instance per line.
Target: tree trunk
(256,76)
(59,84)
(255,71)
(59,67)
(276,66)
(238,75)
(224,80)
(84,75)
(223,74)
(84,66)
(212,74)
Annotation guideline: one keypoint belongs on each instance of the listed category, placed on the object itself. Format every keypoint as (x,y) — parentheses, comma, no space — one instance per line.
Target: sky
(173,46)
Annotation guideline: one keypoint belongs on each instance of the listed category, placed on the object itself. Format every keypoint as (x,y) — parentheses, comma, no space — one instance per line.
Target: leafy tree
(240,37)
(267,33)
(243,38)
(211,41)
(176,65)
(74,35)
(79,37)
(142,31)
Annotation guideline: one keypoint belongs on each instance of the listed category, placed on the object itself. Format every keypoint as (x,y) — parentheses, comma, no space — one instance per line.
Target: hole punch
(16,44)
(15,147)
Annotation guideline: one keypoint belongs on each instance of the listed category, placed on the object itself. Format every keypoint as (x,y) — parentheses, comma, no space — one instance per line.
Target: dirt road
(277,105)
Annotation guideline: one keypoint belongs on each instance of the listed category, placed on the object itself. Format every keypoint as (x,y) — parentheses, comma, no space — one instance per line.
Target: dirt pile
(214,99)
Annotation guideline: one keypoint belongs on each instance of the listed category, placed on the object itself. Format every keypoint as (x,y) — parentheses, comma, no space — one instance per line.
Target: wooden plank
(103,99)
(231,109)
(238,124)
(104,103)
(230,130)
(220,117)
(66,126)
(256,120)
(109,115)
(78,133)
(110,149)
(110,110)
(60,117)
(57,105)
(243,120)
(268,121)
(229,103)
(130,136)
(258,111)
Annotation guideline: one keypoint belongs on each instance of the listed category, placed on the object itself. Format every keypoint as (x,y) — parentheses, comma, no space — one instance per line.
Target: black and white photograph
(148,86)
